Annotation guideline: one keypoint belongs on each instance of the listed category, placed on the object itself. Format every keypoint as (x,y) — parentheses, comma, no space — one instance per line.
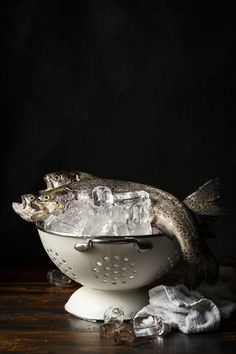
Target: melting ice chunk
(148,325)
(114,314)
(57,278)
(113,319)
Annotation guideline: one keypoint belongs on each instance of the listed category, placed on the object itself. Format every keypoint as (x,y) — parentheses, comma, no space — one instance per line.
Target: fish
(25,208)
(61,178)
(177,219)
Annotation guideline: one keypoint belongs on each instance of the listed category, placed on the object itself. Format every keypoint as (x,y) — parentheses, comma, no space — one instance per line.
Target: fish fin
(203,200)
(206,269)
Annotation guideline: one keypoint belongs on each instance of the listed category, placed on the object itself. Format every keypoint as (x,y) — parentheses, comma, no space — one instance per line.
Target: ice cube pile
(104,214)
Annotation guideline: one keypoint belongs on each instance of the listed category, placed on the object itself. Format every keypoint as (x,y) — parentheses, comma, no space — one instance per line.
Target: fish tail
(204,201)
(205,269)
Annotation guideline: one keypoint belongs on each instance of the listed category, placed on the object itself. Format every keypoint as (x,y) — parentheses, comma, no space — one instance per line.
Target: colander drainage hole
(116,258)
(115,265)
(106,274)
(124,268)
(114,282)
(107,268)
(56,254)
(106,259)
(132,264)
(124,281)
(131,277)
(99,263)
(116,272)
(95,269)
(105,281)
(126,259)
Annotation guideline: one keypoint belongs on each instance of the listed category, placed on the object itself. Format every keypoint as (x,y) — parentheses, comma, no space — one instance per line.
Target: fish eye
(57,177)
(46,197)
(32,198)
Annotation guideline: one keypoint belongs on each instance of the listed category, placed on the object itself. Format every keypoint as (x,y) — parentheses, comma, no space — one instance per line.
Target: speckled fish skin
(175,219)
(61,178)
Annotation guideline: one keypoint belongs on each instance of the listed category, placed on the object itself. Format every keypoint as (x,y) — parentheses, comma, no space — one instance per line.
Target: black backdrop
(138,90)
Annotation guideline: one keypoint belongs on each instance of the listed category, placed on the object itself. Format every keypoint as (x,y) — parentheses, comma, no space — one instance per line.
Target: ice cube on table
(124,334)
(114,314)
(113,319)
(57,278)
(148,325)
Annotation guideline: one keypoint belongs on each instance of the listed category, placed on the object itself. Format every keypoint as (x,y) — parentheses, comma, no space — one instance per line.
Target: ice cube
(119,214)
(57,278)
(73,220)
(119,229)
(113,319)
(138,222)
(148,325)
(102,196)
(56,223)
(100,215)
(130,197)
(98,225)
(124,334)
(114,314)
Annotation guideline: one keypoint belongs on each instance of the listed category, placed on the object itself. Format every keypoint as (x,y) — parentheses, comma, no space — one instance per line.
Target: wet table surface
(33,320)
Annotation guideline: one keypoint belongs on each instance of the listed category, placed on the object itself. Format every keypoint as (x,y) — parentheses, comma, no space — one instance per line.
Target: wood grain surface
(33,320)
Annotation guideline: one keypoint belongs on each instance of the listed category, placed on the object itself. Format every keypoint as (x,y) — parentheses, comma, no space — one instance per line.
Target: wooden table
(33,320)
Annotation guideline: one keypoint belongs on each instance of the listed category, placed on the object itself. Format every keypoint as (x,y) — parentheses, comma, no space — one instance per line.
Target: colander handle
(86,244)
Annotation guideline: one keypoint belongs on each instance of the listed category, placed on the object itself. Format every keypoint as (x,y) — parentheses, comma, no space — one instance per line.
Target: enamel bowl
(113,270)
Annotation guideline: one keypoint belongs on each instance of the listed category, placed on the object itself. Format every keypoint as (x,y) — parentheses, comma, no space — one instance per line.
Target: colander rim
(64,234)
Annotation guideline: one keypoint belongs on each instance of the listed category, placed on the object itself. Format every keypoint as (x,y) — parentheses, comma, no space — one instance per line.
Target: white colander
(114,271)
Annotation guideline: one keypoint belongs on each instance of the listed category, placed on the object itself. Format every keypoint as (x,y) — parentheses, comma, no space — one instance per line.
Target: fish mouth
(22,212)
(36,206)
(49,183)
(23,201)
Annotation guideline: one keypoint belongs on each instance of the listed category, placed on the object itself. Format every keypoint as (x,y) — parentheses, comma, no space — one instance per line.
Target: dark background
(133,90)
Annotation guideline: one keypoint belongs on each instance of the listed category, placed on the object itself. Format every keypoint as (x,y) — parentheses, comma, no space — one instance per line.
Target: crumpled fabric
(196,311)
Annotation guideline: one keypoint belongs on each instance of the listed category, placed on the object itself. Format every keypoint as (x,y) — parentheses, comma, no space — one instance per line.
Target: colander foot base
(90,304)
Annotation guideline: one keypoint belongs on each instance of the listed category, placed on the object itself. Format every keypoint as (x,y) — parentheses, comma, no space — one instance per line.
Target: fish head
(61,178)
(52,201)
(26,209)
